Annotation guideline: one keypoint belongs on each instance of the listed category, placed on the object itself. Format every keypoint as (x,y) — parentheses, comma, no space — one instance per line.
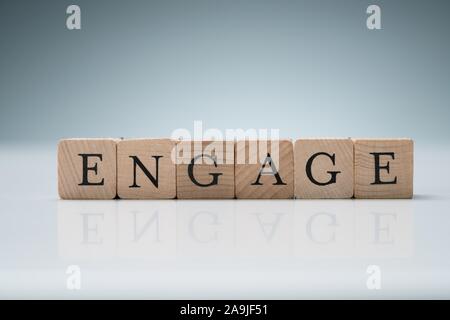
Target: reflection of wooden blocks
(87,169)
(323,168)
(87,229)
(145,169)
(264,169)
(383,168)
(205,170)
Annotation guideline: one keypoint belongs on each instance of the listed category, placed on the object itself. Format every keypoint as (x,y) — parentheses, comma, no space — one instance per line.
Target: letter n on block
(87,168)
(323,168)
(205,169)
(145,169)
(264,169)
(383,168)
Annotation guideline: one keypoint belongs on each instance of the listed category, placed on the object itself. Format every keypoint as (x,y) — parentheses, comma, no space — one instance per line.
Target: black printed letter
(138,162)
(85,182)
(215,179)
(332,173)
(274,172)
(386,167)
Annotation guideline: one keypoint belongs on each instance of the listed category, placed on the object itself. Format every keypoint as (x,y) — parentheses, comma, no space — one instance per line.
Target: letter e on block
(87,168)
(383,168)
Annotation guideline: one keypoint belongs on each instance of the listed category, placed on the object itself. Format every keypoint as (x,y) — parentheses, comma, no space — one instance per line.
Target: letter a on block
(383,168)
(87,168)
(264,169)
(145,169)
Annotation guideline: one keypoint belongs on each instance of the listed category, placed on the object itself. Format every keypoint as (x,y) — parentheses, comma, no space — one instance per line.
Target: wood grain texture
(70,168)
(399,157)
(250,157)
(204,169)
(146,150)
(322,167)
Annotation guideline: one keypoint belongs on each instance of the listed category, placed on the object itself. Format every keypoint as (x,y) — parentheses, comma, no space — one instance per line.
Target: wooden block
(323,168)
(205,169)
(145,169)
(383,168)
(264,169)
(87,168)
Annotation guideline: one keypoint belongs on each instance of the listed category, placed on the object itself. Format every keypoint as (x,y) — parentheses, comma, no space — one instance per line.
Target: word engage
(243,169)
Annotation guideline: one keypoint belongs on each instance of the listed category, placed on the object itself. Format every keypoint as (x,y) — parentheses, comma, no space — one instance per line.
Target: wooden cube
(323,168)
(87,169)
(205,169)
(145,169)
(264,169)
(383,168)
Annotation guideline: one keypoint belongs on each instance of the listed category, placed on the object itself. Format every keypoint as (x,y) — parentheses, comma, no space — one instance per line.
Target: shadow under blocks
(321,168)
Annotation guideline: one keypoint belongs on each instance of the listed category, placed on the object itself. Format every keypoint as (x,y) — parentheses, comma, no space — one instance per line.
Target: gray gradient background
(145,68)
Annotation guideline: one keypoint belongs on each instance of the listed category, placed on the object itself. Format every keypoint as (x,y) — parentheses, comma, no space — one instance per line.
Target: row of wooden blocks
(166,169)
